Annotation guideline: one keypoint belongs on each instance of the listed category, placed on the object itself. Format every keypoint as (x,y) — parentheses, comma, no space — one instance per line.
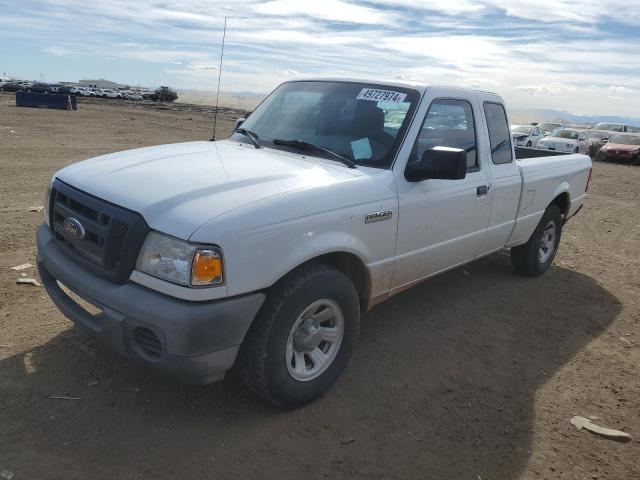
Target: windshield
(626,140)
(548,127)
(570,134)
(612,127)
(361,122)
(521,129)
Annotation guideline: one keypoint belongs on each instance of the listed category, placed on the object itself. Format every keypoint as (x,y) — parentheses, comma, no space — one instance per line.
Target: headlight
(180,262)
(47,199)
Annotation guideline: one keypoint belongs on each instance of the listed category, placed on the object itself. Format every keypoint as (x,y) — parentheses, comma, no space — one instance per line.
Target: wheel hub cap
(308,336)
(314,340)
(547,242)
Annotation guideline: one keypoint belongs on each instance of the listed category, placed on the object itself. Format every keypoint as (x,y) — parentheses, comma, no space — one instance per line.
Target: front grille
(148,342)
(112,235)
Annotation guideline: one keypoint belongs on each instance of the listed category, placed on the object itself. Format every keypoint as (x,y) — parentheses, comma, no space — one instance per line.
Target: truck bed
(546,177)
(527,152)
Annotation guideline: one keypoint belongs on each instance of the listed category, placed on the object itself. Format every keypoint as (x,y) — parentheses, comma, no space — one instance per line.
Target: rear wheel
(303,337)
(535,257)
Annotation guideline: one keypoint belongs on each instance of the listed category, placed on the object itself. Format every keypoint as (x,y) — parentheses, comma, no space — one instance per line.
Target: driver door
(442,223)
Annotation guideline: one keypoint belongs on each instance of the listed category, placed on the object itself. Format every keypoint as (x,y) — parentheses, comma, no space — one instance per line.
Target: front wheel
(303,337)
(535,257)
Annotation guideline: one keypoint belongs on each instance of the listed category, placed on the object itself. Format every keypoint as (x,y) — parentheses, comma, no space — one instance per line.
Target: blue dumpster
(44,100)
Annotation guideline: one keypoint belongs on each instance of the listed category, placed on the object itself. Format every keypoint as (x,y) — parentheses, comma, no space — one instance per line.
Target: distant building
(100,83)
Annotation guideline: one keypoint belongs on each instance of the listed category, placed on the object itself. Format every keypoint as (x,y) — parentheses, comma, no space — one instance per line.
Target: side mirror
(238,122)
(444,163)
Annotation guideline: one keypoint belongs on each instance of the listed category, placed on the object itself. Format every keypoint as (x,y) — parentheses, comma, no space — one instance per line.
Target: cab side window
(499,137)
(448,123)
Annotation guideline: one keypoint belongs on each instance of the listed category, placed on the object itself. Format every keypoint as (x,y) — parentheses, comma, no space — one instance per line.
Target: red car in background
(624,147)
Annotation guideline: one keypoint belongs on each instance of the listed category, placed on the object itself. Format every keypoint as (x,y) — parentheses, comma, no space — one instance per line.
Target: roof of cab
(420,87)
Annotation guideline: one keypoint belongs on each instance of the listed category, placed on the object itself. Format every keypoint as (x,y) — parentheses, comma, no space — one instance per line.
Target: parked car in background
(107,93)
(549,128)
(577,126)
(81,92)
(624,147)
(12,87)
(39,88)
(525,135)
(596,140)
(565,140)
(135,96)
(613,127)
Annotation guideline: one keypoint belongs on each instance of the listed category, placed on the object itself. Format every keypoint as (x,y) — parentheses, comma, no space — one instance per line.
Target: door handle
(482,190)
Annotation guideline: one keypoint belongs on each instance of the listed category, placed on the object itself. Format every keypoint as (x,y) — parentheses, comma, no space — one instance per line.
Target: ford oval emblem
(73,228)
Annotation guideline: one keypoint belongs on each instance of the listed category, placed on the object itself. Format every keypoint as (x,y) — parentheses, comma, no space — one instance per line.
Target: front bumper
(195,341)
(620,157)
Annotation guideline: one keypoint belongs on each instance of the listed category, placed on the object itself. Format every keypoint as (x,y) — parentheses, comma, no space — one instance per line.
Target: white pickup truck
(262,250)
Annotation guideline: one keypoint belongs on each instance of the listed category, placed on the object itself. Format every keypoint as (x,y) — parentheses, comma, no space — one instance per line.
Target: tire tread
(254,349)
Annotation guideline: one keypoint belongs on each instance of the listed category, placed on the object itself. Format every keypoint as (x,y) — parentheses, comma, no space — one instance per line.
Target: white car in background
(132,96)
(613,127)
(549,128)
(106,93)
(525,135)
(566,140)
(83,92)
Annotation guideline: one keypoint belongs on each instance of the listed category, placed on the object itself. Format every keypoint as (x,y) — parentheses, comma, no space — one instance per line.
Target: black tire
(261,360)
(576,150)
(526,259)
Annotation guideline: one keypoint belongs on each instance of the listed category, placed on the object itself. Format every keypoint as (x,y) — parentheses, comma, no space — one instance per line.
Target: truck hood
(179,187)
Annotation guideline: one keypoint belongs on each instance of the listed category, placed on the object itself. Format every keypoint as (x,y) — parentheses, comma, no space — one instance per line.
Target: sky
(582,56)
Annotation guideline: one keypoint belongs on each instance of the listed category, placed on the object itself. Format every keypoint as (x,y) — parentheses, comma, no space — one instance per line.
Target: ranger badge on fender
(378,216)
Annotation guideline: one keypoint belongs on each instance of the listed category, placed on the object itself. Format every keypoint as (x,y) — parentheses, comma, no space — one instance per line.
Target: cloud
(556,54)
(57,51)
(334,10)
(198,66)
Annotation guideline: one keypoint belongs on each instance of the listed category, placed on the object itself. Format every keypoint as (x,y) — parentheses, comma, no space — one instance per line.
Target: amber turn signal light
(206,268)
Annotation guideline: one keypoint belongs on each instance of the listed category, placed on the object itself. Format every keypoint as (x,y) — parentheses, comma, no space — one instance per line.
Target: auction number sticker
(378,95)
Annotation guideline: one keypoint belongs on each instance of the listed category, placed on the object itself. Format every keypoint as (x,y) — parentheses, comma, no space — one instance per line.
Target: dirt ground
(471,375)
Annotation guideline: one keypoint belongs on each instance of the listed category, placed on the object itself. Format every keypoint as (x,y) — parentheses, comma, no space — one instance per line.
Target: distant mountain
(522,115)
(243,100)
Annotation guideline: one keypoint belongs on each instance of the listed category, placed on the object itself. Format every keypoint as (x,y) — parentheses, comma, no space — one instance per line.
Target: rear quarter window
(499,136)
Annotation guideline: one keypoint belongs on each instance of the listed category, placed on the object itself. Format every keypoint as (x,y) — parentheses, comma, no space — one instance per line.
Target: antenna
(215,115)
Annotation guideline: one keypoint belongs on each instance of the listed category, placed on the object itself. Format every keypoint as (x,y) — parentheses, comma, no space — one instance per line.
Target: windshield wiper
(252,136)
(301,144)
(498,146)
